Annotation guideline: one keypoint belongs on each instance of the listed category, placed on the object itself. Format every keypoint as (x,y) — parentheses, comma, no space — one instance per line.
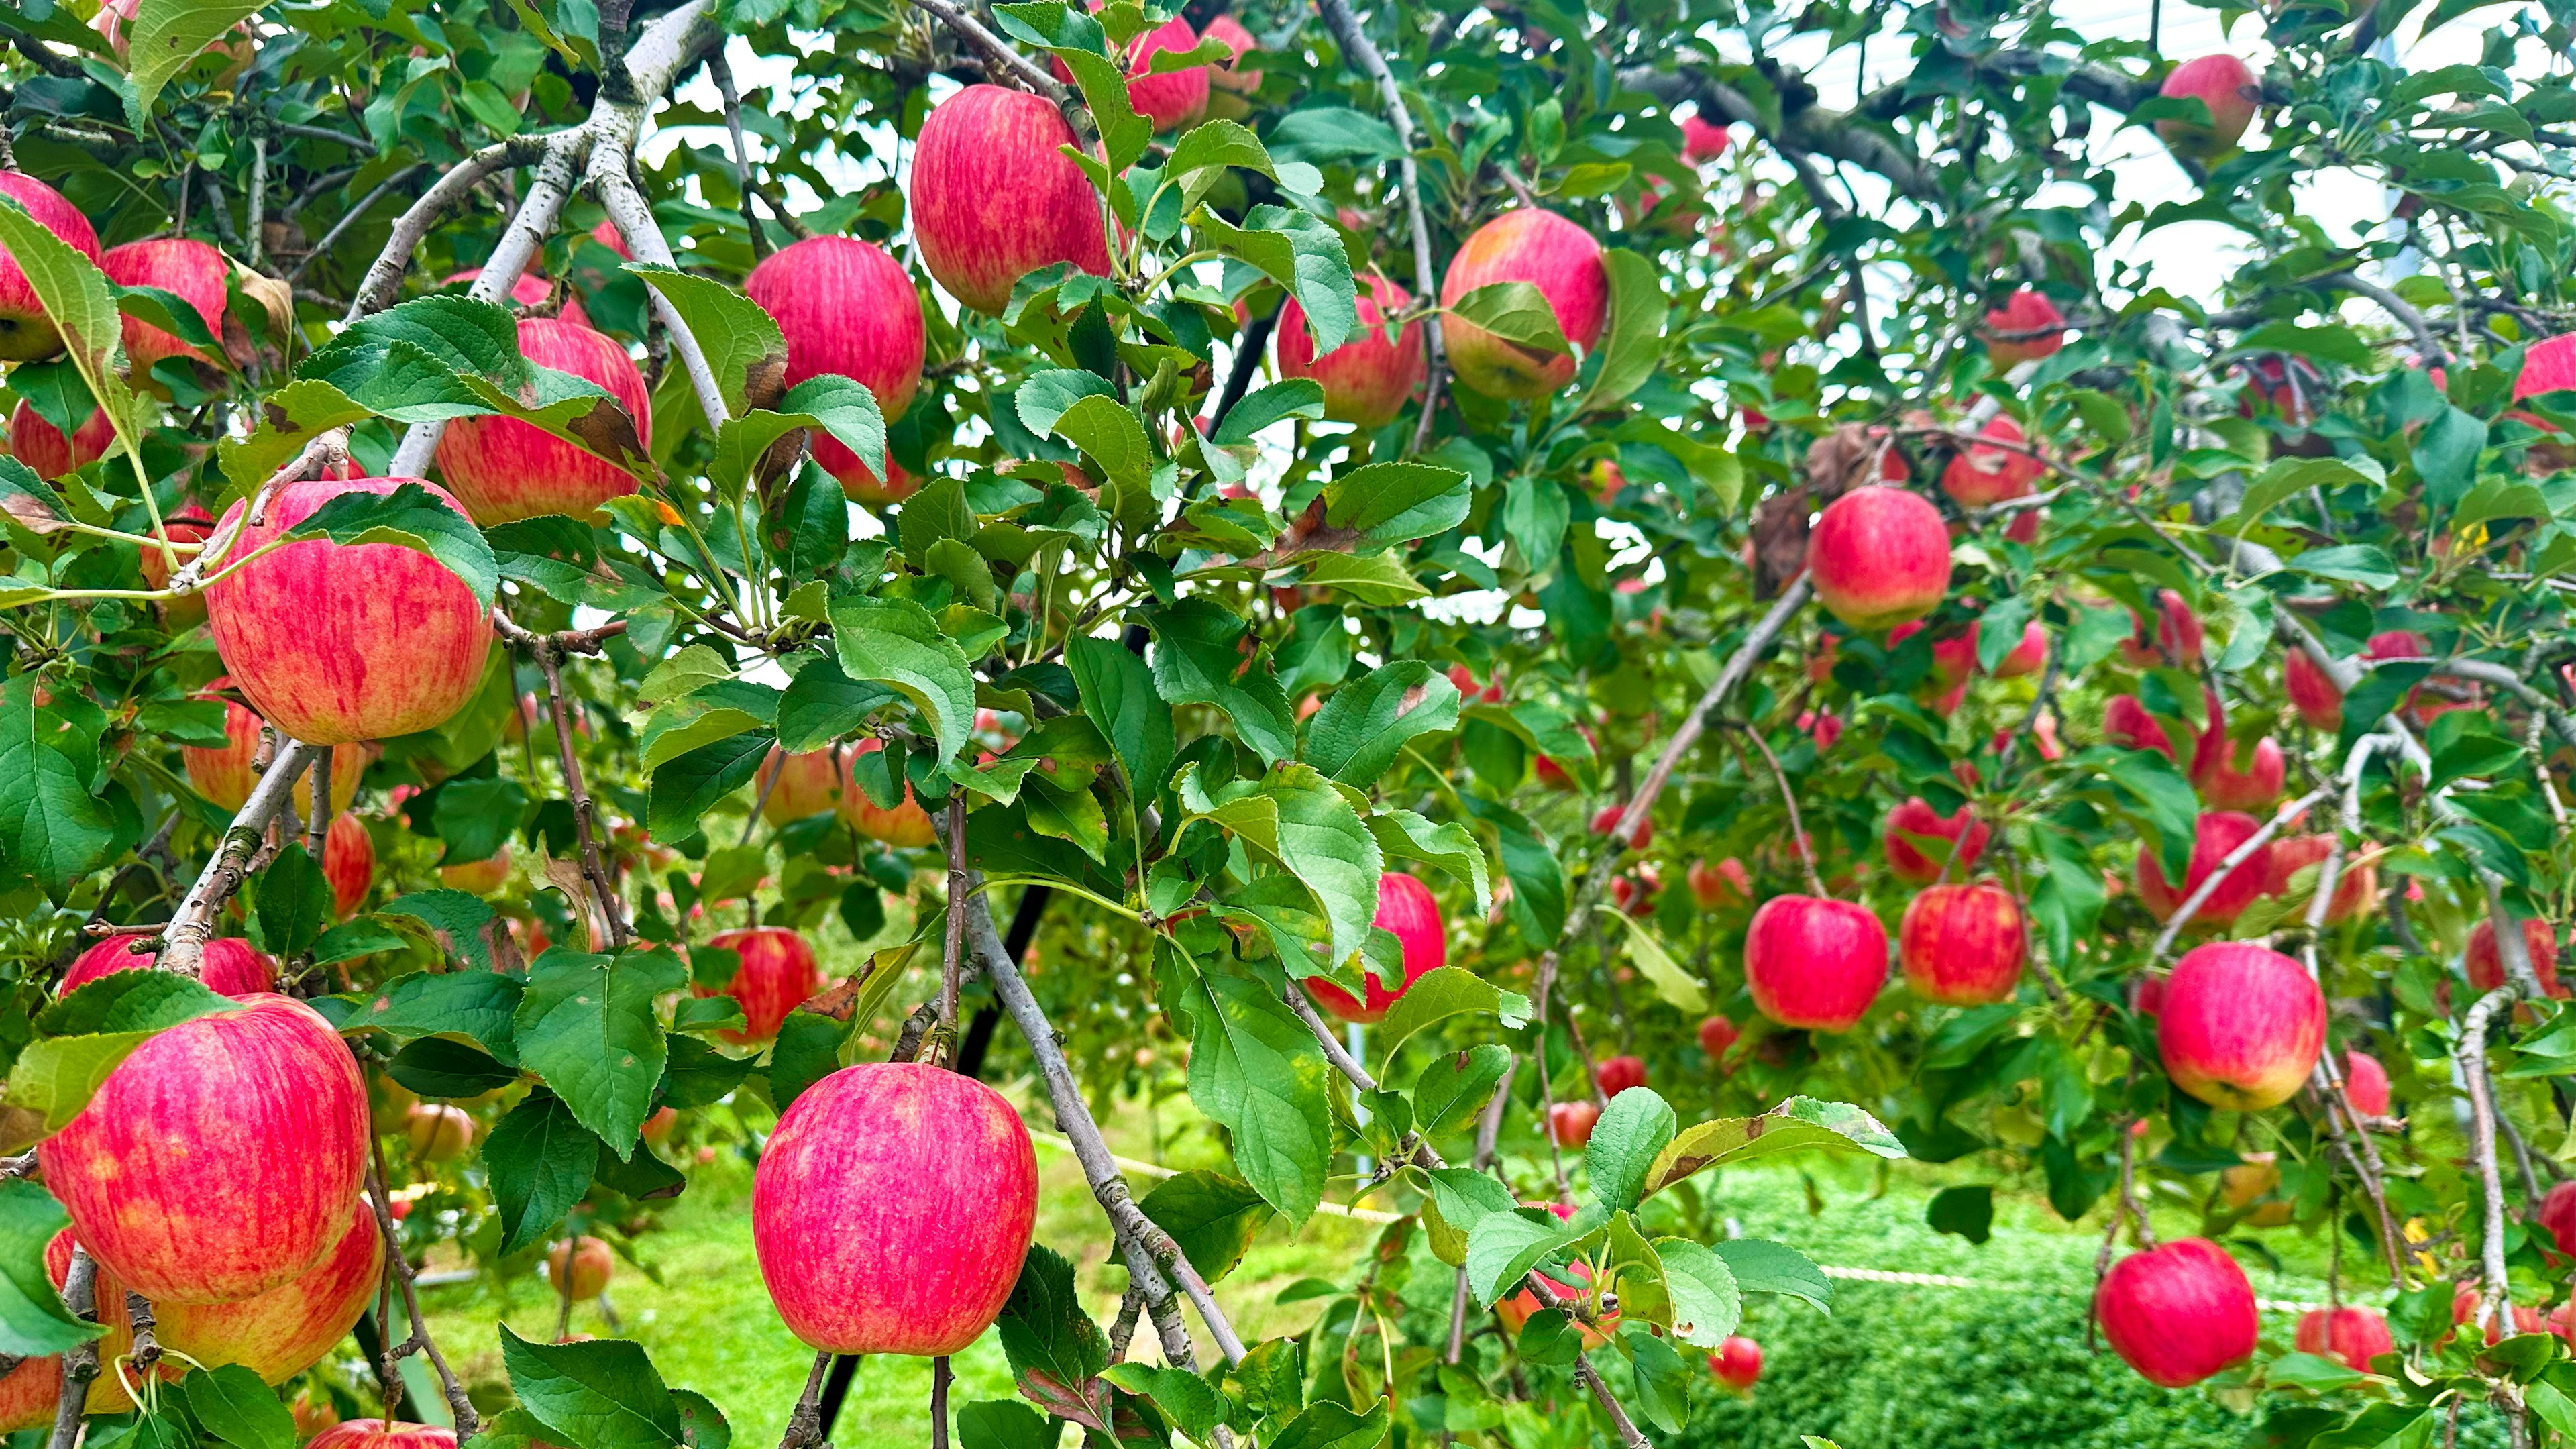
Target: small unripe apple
(994,197)
(1367,379)
(1716,1035)
(2510,1318)
(2216,837)
(846,307)
(1918,841)
(2228,88)
(579,1268)
(2242,1185)
(1814,963)
(1618,1074)
(2025,311)
(439,1132)
(1406,907)
(657,1128)
(1547,251)
(2241,1025)
(1981,476)
(2179,1313)
(1737,1363)
(1878,557)
(1962,945)
(2485,967)
(26,333)
(2350,1336)
(778,974)
(1570,1123)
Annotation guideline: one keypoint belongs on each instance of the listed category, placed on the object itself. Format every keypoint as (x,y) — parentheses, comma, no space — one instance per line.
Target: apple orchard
(1526,606)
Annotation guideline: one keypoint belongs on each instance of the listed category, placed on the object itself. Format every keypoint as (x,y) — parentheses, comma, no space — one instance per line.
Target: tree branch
(2209,885)
(183,941)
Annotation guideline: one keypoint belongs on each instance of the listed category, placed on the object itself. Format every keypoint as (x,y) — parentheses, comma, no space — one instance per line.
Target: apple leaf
(80,302)
(1503,1247)
(1516,312)
(896,643)
(595,1394)
(742,343)
(1255,1068)
(235,1405)
(1212,1216)
(1799,1124)
(412,517)
(1364,724)
(540,1160)
(1625,1144)
(587,1026)
(1440,994)
(33,1320)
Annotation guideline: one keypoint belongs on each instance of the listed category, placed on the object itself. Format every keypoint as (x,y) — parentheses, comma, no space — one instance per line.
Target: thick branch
(384,275)
(80,1362)
(2482,1147)
(183,941)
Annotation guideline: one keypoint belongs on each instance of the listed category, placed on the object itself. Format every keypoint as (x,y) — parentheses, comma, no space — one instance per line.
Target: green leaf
(1378,580)
(822,705)
(1455,1086)
(1450,846)
(1516,312)
(743,345)
(539,1160)
(844,408)
(1503,1247)
(1633,342)
(597,1394)
(166,36)
(1663,1381)
(235,1405)
(1327,1425)
(896,643)
(1006,1424)
(1182,1396)
(1218,143)
(289,418)
(1364,725)
(1631,1134)
(1762,1266)
(1968,1211)
(437,1067)
(1301,253)
(1460,1198)
(1381,505)
(1657,965)
(1212,1216)
(2310,1372)
(1440,994)
(2357,563)
(808,1050)
(53,825)
(1198,658)
(687,788)
(77,300)
(1105,430)
(91,1032)
(1800,1124)
(1707,1300)
(1255,1069)
(586,1026)
(1297,397)
(478,1006)
(291,902)
(1118,697)
(1055,1351)
(33,1321)
(1306,824)
(414,518)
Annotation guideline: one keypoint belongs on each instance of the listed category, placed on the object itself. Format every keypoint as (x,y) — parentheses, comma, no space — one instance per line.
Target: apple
(2027,657)
(2178,640)
(906,825)
(1879,557)
(846,307)
(504,470)
(478,877)
(277,1334)
(230,966)
(2558,1217)
(1814,963)
(994,197)
(2241,1185)
(1469,691)
(657,1128)
(1171,100)
(1962,945)
(217,1160)
(1618,1074)
(1914,821)
(1240,42)
(2356,887)
(2228,88)
(1716,1036)
(1722,884)
(1516,1310)
(808,784)
(389,1105)
(380,1434)
(1702,142)
(2217,835)
(1550,253)
(2126,723)
(1405,906)
(348,862)
(439,1132)
(532,290)
(777,975)
(2025,311)
(1367,379)
(2522,1317)
(312,1411)
(1980,476)
(2486,968)
(2242,1025)
(26,333)
(892,1209)
(195,272)
(1737,1363)
(580,1267)
(2179,1313)
(2351,1336)
(2230,777)
(1555,776)
(2365,1085)
(335,642)
(1569,1124)
(1606,820)
(41,446)
(225,774)
(1826,728)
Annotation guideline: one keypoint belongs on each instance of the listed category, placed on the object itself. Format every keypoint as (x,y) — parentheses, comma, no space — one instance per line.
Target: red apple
(1405,906)
(1879,557)
(439,1132)
(2311,692)
(379,1434)
(907,825)
(2179,637)
(194,271)
(504,470)
(2356,888)
(2179,1313)
(2218,834)
(808,784)
(2126,723)
(26,333)
(1240,42)
(1367,379)
(2027,657)
(348,862)
(2241,1026)
(2365,1085)
(1914,821)
(657,1128)
(2231,777)
(1569,1124)
(41,446)
(338,642)
(225,774)
(2228,88)
(579,1268)
(2486,968)
(219,1159)
(1701,141)
(1618,1074)
(994,198)
(2025,311)
(1172,100)
(1737,1363)
(1606,820)
(1962,945)
(230,966)
(1553,775)
(1550,253)
(1716,1035)
(1469,691)
(1980,476)
(846,307)
(2558,1217)
(777,975)
(1814,963)
(893,1208)
(2522,1318)
(1722,884)
(2351,1336)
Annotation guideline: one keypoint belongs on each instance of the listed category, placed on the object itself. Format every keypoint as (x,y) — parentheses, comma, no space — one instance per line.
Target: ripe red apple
(846,307)
(2027,657)
(1716,1035)
(580,1267)
(1722,884)
(219,1159)
(2486,968)
(1569,1124)
(26,333)
(439,1132)
(379,1434)
(1980,476)
(194,271)
(41,446)
(2179,1313)
(2365,1085)
(2356,887)
(2227,87)
(2241,1026)
(1606,820)
(1553,775)
(1240,42)
(478,877)
(2351,1336)
(1618,1074)
(778,974)
(1173,100)
(225,774)
(808,784)
(1915,821)
(907,825)
(1879,557)
(1405,906)
(1701,141)
(1550,253)
(2558,1217)
(1814,963)
(2126,723)
(2217,835)
(1469,691)
(994,198)
(348,862)
(2025,311)
(2231,777)
(657,1128)
(2179,637)
(2311,692)
(893,1208)
(2520,1317)
(504,470)
(1962,945)
(230,966)
(339,642)
(1367,379)
(1737,1363)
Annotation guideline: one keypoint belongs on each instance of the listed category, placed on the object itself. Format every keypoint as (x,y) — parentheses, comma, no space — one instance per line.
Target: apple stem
(1545,986)
(952,950)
